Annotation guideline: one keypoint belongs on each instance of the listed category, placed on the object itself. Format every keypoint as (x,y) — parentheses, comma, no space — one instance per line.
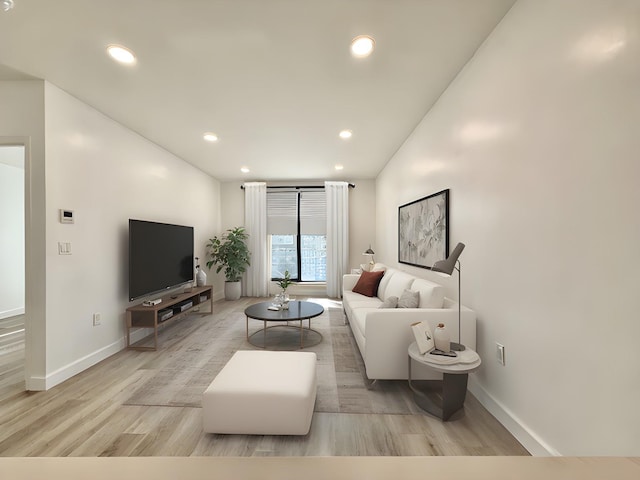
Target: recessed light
(362,46)
(7,5)
(245,170)
(345,134)
(121,54)
(210,137)
(339,167)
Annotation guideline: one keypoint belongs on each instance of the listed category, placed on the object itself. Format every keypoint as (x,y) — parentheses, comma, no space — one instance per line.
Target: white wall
(538,141)
(361,219)
(11,231)
(106,174)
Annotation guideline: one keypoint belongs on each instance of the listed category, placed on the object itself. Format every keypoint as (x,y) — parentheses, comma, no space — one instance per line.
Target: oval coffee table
(278,337)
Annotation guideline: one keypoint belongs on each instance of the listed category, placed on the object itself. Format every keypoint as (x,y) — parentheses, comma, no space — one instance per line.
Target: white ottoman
(262,393)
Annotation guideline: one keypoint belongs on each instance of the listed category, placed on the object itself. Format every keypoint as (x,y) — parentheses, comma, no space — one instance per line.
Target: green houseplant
(285,282)
(230,252)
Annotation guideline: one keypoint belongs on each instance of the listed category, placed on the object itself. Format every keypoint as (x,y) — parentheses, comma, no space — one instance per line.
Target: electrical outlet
(500,353)
(96,319)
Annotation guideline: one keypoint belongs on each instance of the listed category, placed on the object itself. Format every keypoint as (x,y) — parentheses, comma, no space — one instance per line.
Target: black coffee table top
(298,310)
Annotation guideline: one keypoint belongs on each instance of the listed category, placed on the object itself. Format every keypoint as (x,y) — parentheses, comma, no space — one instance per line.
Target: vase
(201,277)
(278,300)
(441,338)
(285,301)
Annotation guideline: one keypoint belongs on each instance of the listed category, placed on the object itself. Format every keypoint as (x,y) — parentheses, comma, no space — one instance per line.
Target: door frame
(19,141)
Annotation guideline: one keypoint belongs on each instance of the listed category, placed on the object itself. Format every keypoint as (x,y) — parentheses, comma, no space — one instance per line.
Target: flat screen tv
(160,257)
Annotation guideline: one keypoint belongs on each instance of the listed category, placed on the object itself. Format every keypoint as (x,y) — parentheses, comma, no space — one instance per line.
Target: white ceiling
(273,78)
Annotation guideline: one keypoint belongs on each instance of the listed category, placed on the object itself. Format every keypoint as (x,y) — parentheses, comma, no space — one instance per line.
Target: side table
(453,383)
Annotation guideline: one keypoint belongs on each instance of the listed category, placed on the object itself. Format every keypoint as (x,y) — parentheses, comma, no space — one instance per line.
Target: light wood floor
(85,416)
(11,350)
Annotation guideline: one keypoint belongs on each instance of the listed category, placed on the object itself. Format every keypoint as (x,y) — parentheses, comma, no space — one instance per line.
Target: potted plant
(230,252)
(284,283)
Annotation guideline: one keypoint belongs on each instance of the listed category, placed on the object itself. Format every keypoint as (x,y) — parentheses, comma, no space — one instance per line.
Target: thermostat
(66,216)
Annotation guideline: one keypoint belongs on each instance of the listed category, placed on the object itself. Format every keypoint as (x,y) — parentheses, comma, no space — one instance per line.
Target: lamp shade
(368,251)
(447,266)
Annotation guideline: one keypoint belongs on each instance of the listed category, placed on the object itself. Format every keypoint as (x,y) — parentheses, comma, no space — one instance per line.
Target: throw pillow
(409,299)
(368,283)
(391,302)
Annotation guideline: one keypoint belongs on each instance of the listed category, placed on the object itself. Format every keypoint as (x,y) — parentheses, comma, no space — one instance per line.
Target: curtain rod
(351,185)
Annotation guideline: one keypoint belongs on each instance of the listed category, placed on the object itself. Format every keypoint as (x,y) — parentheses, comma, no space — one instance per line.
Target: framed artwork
(423,230)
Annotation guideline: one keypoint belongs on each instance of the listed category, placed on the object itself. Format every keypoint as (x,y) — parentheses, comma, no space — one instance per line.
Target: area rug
(192,361)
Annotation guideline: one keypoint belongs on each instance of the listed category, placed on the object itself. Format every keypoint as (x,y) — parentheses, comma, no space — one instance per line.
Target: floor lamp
(448,266)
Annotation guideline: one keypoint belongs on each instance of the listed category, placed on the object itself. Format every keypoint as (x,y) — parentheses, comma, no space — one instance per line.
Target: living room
(535,139)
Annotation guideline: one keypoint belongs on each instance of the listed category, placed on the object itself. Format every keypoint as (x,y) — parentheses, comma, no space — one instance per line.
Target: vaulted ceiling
(273,79)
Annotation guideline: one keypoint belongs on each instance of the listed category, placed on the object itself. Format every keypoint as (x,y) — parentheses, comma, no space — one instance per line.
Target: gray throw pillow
(391,302)
(409,299)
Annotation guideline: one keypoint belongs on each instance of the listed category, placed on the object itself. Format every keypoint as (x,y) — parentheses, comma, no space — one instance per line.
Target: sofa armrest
(388,334)
(349,281)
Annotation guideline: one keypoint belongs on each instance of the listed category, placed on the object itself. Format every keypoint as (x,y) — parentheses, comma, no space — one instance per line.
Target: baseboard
(55,378)
(527,437)
(36,384)
(12,313)
(73,368)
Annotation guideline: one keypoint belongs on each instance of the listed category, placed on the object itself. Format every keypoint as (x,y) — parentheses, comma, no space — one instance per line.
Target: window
(296,224)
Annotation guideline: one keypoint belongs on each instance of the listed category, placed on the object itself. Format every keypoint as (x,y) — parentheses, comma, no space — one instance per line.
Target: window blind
(282,213)
(313,213)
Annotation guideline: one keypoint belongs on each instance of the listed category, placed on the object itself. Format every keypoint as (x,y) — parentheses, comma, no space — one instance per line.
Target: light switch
(64,248)
(500,353)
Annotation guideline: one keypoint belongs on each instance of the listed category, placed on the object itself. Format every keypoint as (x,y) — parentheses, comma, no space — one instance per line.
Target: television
(160,257)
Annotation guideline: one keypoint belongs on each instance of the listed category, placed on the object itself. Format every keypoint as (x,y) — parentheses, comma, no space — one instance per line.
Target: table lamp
(370,253)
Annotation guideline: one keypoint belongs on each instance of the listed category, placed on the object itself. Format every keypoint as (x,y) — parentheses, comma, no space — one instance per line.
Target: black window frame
(298,238)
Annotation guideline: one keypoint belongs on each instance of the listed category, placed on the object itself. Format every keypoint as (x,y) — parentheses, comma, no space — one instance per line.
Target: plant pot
(232,290)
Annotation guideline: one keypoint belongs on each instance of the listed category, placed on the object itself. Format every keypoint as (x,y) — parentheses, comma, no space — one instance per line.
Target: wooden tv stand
(141,316)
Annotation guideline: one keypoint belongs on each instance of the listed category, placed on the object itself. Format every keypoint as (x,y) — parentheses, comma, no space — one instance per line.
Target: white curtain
(337,235)
(256,279)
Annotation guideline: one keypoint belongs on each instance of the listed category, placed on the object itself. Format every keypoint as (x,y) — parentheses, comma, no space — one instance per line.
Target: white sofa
(384,334)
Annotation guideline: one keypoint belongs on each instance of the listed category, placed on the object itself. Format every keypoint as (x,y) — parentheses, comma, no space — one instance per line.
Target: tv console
(146,316)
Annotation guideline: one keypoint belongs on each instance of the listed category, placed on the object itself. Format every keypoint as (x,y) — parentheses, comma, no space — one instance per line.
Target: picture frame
(424,337)
(423,230)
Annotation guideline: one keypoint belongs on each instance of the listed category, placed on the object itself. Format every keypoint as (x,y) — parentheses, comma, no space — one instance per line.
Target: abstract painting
(423,230)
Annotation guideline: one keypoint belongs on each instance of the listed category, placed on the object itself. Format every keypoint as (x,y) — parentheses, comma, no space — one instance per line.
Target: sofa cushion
(391,302)
(431,294)
(409,299)
(353,297)
(368,283)
(384,282)
(397,283)
(365,302)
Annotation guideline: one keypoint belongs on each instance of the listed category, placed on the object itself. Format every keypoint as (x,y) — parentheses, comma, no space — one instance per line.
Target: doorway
(12,259)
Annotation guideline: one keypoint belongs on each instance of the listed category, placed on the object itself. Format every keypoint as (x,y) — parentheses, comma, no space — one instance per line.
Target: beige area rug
(197,357)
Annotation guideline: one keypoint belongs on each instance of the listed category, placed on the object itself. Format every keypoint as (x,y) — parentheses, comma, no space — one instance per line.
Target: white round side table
(453,383)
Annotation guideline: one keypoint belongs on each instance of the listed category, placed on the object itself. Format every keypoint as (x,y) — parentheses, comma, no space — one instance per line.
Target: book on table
(424,337)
